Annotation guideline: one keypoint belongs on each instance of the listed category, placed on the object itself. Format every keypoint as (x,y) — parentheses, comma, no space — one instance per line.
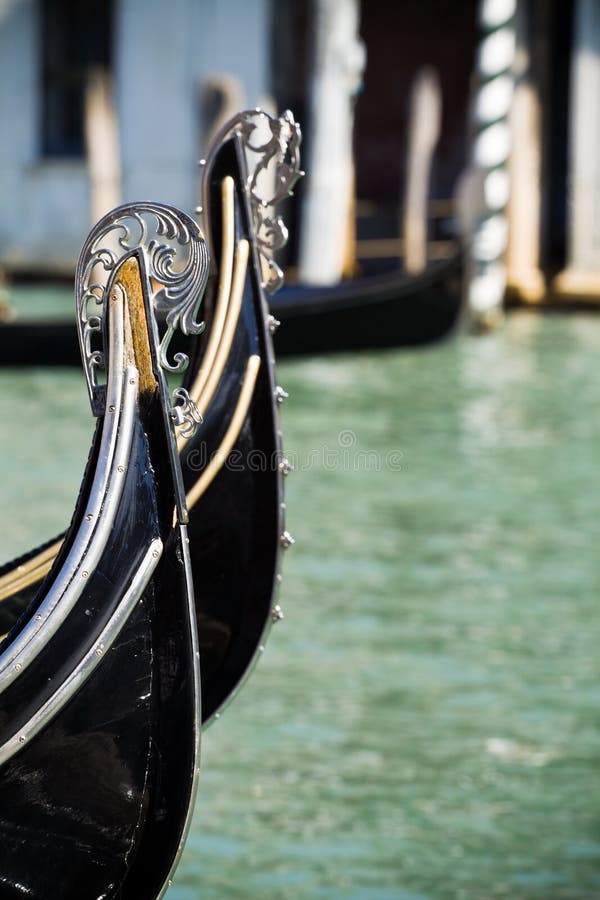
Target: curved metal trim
(191,602)
(90,661)
(93,531)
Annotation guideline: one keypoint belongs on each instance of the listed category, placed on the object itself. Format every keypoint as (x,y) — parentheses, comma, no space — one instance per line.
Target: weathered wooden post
(581,278)
(102,144)
(525,278)
(424,131)
(338,65)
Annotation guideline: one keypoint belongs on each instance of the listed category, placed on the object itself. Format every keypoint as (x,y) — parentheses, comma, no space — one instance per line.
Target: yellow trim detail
(235,426)
(225,277)
(232,277)
(28,573)
(233,314)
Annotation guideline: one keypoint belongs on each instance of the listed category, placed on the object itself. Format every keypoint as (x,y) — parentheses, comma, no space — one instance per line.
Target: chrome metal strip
(185,545)
(91,660)
(94,530)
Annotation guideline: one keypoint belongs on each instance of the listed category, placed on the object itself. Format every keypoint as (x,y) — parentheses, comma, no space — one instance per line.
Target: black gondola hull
(371,313)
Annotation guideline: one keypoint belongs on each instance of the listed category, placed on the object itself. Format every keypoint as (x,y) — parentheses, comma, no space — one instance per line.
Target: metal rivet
(261,649)
(202,162)
(285,467)
(198,210)
(89,517)
(280,394)
(120,468)
(279,578)
(273,324)
(18,667)
(286,540)
(111,409)
(22,739)
(38,618)
(99,651)
(155,554)
(132,381)
(84,574)
(277,613)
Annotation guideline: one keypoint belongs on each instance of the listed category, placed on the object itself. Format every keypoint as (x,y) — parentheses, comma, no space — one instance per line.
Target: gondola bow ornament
(175,259)
(271,150)
(236,514)
(99,678)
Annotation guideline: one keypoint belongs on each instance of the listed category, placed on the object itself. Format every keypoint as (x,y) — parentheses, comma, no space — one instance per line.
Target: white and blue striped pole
(492,143)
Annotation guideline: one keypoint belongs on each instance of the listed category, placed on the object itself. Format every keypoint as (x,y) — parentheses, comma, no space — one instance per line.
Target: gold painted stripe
(235,426)
(228,306)
(225,278)
(28,573)
(233,314)
(136,339)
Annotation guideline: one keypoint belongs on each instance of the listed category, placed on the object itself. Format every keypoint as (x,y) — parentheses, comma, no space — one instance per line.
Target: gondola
(233,466)
(372,312)
(368,313)
(99,677)
(375,311)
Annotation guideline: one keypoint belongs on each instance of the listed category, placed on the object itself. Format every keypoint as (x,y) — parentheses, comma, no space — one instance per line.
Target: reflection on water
(425,721)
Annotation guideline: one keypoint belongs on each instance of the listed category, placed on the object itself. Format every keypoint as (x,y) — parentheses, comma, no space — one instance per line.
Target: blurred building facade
(158,61)
(156,68)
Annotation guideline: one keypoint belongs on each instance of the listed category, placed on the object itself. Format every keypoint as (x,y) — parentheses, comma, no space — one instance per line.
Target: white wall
(43,205)
(163,54)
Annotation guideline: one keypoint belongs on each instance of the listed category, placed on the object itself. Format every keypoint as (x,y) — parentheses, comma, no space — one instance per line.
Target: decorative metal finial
(174,263)
(185,414)
(272,156)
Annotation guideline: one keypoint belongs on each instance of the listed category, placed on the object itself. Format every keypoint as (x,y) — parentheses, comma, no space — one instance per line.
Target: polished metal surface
(175,263)
(90,541)
(272,156)
(285,467)
(90,661)
(286,540)
(185,413)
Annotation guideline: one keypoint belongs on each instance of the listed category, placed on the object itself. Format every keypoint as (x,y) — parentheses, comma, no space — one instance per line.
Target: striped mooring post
(492,142)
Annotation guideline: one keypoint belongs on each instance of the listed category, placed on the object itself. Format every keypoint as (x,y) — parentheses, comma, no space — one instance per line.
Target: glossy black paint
(371,313)
(71,801)
(234,528)
(135,527)
(95,804)
(391,309)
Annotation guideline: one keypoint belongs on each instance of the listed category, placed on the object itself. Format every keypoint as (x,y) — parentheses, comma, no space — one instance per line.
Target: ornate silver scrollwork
(272,155)
(185,413)
(174,258)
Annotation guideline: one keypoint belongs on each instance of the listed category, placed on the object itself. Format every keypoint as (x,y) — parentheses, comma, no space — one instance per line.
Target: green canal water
(425,722)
